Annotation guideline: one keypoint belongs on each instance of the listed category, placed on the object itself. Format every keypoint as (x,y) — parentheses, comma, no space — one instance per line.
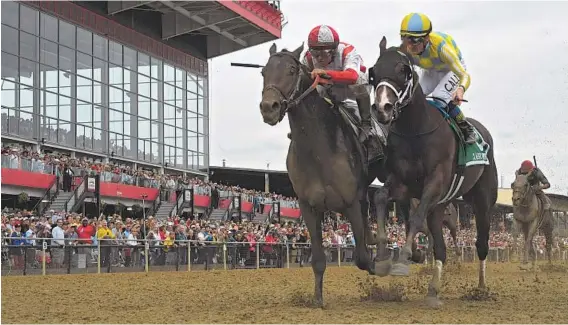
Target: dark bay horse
(326,162)
(529,213)
(422,161)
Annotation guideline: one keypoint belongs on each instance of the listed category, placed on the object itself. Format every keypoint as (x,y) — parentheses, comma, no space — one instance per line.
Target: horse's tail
(492,165)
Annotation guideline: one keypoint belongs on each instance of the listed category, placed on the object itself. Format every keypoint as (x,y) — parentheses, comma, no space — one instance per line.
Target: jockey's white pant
(438,84)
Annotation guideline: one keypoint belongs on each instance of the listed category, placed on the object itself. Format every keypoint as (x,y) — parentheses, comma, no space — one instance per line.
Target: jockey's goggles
(322,52)
(416,39)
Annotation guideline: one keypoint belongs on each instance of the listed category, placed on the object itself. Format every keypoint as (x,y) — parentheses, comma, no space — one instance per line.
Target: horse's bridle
(289,102)
(404,97)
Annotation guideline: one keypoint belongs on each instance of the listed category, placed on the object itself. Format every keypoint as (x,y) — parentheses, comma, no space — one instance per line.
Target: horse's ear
(272,49)
(383,45)
(297,52)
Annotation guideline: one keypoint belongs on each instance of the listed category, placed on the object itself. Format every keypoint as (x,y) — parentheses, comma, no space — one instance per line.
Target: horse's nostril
(275,105)
(388,106)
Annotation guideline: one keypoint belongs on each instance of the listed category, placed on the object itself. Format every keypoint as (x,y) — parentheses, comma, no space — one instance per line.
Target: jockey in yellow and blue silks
(443,73)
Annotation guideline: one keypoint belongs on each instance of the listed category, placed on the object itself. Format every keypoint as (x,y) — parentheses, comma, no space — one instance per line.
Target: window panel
(192,122)
(155,130)
(84,113)
(155,110)
(100,47)
(200,124)
(169,135)
(180,75)
(67,34)
(179,117)
(26,99)
(48,53)
(116,96)
(130,60)
(27,71)
(191,83)
(115,53)
(144,107)
(154,88)
(23,130)
(192,103)
(29,20)
(179,137)
(201,142)
(115,76)
(98,67)
(169,114)
(155,68)
(156,157)
(8,93)
(144,128)
(66,59)
(169,94)
(191,141)
(48,103)
(116,121)
(143,85)
(84,41)
(97,93)
(48,78)
(201,84)
(10,14)
(98,140)
(192,160)
(179,97)
(201,161)
(28,46)
(48,27)
(64,79)
(143,64)
(64,109)
(10,42)
(200,105)
(127,121)
(9,67)
(127,108)
(169,74)
(97,116)
(84,65)
(84,89)
(127,83)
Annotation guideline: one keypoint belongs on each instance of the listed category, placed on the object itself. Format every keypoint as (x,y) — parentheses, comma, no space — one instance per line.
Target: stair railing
(48,197)
(77,193)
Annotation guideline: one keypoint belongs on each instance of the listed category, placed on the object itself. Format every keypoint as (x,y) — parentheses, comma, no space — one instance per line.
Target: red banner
(266,209)
(24,178)
(201,201)
(246,207)
(224,203)
(128,191)
(290,213)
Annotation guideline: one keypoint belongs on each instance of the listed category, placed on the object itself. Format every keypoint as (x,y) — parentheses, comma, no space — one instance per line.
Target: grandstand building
(118,82)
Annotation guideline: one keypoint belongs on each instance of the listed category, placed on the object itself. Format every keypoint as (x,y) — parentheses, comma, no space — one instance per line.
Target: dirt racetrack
(278,296)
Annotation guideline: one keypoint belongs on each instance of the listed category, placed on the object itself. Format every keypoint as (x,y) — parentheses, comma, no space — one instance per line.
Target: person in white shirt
(58,244)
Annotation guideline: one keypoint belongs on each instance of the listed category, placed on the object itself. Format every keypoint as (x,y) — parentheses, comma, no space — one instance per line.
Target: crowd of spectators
(59,229)
(19,157)
(23,229)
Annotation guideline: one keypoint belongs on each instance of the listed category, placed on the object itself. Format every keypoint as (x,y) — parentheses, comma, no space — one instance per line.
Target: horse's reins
(291,102)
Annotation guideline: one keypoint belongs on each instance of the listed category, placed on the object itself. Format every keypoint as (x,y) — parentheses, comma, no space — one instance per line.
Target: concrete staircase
(164,210)
(218,214)
(58,205)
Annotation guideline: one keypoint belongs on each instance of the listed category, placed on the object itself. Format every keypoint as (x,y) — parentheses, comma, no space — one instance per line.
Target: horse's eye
(292,70)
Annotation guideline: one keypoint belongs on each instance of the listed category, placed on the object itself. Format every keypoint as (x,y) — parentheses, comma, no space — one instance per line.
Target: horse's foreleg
(435,227)
(383,258)
(313,220)
(360,232)
(430,195)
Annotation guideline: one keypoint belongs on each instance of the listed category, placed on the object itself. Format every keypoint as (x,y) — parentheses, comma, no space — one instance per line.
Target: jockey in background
(537,180)
(444,76)
(327,56)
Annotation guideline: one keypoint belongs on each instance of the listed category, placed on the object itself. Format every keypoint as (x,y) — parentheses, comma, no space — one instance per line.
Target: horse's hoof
(400,269)
(418,256)
(383,268)
(433,302)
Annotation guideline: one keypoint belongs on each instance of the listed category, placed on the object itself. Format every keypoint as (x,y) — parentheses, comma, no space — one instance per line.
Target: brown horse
(529,212)
(423,163)
(326,162)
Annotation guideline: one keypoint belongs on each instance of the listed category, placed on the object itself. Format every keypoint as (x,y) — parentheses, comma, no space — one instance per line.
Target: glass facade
(81,90)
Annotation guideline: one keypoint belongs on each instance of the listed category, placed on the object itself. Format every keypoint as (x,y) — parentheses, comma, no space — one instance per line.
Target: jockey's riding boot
(466,127)
(545,201)
(364,104)
(290,135)
(467,130)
